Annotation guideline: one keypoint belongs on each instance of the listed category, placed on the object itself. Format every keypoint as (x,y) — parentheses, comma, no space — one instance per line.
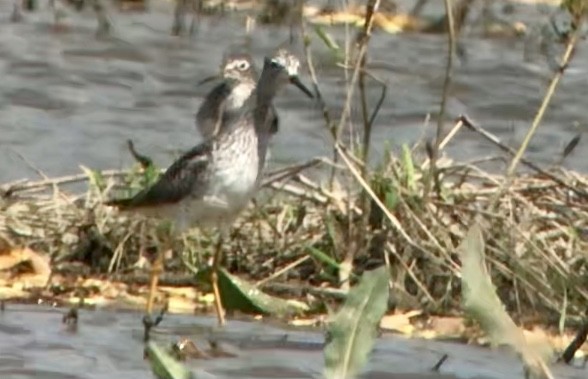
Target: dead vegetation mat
(309,241)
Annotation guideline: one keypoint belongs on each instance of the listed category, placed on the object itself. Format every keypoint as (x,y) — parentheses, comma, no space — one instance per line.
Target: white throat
(239,95)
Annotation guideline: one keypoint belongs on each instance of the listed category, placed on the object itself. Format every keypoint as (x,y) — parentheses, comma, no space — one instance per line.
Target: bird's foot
(149,323)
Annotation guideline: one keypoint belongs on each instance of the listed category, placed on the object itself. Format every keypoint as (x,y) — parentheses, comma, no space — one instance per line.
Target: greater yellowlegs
(238,80)
(213,182)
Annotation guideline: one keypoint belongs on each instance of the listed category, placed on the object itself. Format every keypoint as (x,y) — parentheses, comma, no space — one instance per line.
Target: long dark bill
(296,81)
(209,79)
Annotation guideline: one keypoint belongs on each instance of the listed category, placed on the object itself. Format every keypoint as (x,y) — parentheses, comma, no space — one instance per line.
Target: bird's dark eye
(275,64)
(243,66)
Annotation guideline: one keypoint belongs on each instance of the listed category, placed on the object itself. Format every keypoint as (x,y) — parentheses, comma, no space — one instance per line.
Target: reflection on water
(68,98)
(35,344)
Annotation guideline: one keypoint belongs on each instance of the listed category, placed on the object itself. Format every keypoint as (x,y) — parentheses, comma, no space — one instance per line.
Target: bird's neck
(264,94)
(264,97)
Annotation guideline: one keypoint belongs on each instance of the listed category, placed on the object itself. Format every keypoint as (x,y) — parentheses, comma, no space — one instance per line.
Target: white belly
(232,186)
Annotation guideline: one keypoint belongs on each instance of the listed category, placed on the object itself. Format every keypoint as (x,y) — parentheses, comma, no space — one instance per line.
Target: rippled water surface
(69,98)
(35,344)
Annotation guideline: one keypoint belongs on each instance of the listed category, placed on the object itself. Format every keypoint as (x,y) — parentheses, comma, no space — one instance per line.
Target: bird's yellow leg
(164,236)
(220,312)
(156,271)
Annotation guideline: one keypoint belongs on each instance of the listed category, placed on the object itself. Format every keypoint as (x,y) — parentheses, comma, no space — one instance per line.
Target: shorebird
(239,78)
(213,182)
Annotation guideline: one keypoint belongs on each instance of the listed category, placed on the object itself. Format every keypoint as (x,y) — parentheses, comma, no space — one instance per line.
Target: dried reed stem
(371,8)
(567,56)
(433,177)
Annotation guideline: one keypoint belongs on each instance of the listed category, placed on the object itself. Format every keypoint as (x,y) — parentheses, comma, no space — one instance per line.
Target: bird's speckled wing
(183,178)
(210,110)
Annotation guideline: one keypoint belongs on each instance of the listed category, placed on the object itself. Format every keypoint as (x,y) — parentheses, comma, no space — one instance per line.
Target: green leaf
(238,294)
(96,179)
(408,166)
(329,42)
(326,38)
(150,175)
(352,331)
(328,261)
(323,258)
(331,231)
(479,297)
(391,199)
(480,301)
(164,366)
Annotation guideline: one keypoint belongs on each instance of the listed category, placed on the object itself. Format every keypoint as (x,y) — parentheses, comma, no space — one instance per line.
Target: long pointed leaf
(352,332)
(482,303)
(238,294)
(164,366)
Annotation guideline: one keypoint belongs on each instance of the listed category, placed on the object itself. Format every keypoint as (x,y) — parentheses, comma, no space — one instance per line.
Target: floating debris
(149,323)
(71,317)
(440,363)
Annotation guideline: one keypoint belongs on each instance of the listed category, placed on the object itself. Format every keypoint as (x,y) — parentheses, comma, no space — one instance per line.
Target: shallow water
(35,344)
(69,98)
